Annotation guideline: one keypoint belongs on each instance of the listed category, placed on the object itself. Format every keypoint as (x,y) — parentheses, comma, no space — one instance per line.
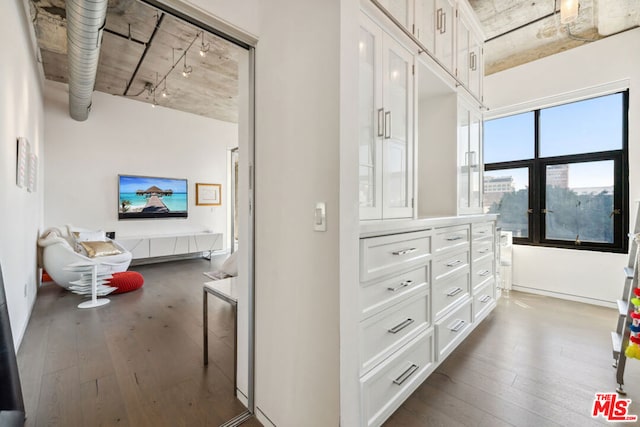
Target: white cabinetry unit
(469,65)
(386,125)
(422,291)
(470,163)
(150,248)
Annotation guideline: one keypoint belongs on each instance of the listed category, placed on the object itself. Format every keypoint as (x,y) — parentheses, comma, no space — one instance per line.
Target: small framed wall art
(208,194)
(22,162)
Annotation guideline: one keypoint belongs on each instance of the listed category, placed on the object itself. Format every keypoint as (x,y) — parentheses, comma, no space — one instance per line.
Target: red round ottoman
(126,281)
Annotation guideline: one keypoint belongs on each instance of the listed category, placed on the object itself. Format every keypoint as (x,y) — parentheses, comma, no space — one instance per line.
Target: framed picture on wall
(208,194)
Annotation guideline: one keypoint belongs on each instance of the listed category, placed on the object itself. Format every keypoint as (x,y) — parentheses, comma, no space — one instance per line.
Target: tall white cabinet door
(475,161)
(463,158)
(476,70)
(462,49)
(371,119)
(445,14)
(398,131)
(425,23)
(470,160)
(402,10)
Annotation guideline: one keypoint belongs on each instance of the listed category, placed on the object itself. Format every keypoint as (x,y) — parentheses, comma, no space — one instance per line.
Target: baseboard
(23,330)
(560,295)
(263,418)
(242,397)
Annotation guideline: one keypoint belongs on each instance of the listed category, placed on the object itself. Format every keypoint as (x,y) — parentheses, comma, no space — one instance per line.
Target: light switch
(320,217)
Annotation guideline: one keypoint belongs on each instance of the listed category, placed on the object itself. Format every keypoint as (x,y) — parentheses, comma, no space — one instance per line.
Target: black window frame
(537,185)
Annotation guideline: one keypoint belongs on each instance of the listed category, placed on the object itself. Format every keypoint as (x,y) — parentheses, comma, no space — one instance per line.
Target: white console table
(154,247)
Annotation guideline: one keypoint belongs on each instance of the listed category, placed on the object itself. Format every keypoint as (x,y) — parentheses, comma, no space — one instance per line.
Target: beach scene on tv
(152,197)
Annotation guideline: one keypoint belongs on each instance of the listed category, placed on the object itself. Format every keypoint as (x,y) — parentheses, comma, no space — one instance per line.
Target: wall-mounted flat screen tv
(151,197)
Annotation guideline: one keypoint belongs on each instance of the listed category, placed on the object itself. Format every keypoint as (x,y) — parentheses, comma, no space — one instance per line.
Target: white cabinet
(434,28)
(385,125)
(469,66)
(146,248)
(409,320)
(469,156)
(444,39)
(402,10)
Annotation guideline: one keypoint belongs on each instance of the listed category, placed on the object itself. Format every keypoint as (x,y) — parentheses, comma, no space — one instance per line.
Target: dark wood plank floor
(134,362)
(536,361)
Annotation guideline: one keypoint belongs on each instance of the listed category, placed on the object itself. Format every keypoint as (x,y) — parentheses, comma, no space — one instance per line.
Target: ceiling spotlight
(568,11)
(164,92)
(204,48)
(186,70)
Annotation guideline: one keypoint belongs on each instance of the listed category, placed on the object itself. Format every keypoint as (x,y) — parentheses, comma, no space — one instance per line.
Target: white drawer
(380,256)
(482,230)
(482,271)
(452,329)
(386,332)
(450,237)
(450,263)
(376,296)
(385,388)
(447,293)
(484,300)
(481,249)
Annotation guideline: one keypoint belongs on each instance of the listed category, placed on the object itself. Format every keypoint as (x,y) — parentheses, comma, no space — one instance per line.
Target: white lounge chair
(58,252)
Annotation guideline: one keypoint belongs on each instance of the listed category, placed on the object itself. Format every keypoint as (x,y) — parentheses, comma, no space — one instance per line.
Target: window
(558,176)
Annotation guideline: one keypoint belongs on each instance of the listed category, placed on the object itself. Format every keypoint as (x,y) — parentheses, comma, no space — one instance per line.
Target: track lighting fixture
(568,11)
(204,48)
(186,70)
(164,92)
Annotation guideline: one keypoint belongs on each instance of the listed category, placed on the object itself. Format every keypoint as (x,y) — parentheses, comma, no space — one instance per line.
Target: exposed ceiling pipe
(85,22)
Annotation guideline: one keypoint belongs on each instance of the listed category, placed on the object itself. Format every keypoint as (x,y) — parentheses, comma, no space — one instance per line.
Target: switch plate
(320,217)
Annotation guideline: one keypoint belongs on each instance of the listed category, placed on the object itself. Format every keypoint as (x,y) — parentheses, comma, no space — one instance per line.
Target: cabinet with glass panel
(385,124)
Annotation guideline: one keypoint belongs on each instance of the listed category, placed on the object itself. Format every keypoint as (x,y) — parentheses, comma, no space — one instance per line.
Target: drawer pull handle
(457,326)
(454,263)
(483,251)
(485,299)
(404,251)
(406,374)
(484,273)
(401,285)
(401,326)
(454,292)
(453,238)
(481,231)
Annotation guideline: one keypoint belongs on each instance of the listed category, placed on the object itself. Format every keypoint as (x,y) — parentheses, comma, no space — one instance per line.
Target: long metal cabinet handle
(404,251)
(483,251)
(439,14)
(485,299)
(387,125)
(406,374)
(454,292)
(444,22)
(484,273)
(453,238)
(457,326)
(404,284)
(454,263)
(381,122)
(401,326)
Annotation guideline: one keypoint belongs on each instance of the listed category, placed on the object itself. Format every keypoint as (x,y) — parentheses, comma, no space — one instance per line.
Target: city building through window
(558,176)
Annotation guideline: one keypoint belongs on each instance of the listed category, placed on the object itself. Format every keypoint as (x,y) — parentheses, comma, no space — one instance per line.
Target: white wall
(297,165)
(595,276)
(124,136)
(21,213)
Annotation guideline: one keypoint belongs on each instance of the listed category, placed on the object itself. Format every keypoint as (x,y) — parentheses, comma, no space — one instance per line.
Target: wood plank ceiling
(142,57)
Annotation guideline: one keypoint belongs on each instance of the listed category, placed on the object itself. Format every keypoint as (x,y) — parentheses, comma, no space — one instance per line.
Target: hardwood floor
(134,362)
(536,361)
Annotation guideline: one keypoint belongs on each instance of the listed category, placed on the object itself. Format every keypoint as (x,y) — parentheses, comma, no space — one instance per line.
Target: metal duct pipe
(85,22)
